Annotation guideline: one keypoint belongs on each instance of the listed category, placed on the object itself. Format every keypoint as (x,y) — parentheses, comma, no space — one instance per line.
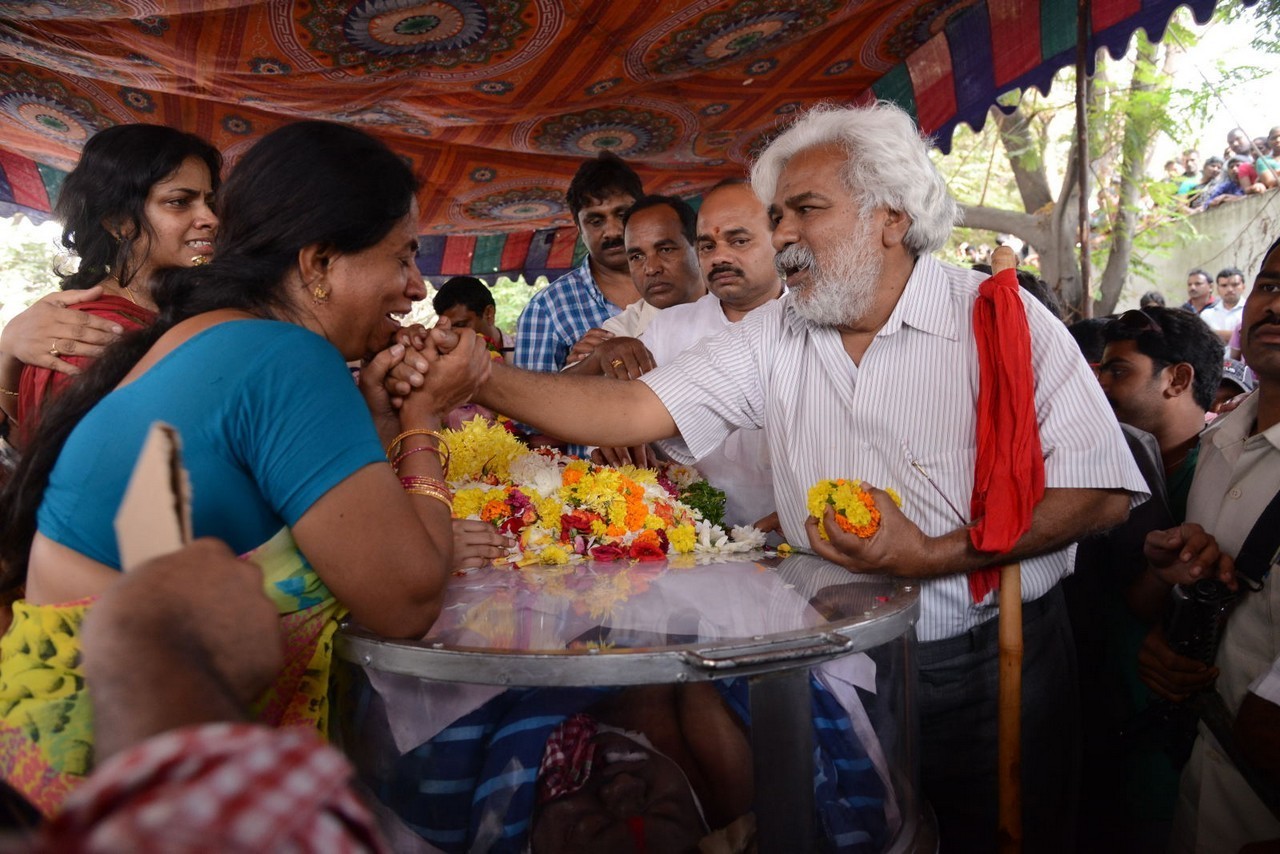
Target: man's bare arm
(899,547)
(578,409)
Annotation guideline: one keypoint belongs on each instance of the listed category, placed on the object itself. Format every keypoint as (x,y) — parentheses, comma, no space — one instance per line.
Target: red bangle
(395,464)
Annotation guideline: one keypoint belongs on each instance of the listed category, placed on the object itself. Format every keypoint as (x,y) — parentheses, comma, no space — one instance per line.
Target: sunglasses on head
(1137,320)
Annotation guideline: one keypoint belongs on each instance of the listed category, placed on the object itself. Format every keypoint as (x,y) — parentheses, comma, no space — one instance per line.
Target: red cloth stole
(1009,477)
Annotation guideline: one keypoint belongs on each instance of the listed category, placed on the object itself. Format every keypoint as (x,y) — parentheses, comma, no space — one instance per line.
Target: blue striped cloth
(473,785)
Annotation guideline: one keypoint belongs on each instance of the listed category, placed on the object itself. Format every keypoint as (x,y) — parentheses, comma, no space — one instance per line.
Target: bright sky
(1252,105)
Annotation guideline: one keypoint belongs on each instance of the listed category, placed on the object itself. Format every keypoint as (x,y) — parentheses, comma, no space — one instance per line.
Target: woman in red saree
(140,200)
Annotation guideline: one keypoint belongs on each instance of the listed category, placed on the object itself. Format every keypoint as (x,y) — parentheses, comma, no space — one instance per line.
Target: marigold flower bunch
(856,510)
(561,509)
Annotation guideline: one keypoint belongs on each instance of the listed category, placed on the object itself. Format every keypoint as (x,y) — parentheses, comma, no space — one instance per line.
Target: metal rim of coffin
(692,662)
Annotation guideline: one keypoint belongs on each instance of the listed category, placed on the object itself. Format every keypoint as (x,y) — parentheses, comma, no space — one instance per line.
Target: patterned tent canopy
(496,102)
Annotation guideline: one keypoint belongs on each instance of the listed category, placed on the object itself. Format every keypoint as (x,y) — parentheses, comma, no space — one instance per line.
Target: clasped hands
(440,368)
(424,375)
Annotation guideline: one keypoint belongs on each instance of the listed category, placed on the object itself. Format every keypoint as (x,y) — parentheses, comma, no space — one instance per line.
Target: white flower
(541,474)
(748,536)
(682,476)
(710,537)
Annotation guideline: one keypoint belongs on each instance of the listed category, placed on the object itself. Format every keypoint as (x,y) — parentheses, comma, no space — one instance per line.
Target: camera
(1196,617)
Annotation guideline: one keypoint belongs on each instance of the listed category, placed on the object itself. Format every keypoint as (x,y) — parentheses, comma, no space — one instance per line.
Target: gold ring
(617,363)
(53,351)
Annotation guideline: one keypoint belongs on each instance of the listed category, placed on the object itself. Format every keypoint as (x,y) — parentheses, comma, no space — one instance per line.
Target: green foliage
(1265,15)
(706,499)
(1131,104)
(977,171)
(28,255)
(511,296)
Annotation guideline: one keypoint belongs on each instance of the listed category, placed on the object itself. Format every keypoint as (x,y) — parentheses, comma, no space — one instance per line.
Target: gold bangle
(442,453)
(10,393)
(414,480)
(428,492)
(417,431)
(442,448)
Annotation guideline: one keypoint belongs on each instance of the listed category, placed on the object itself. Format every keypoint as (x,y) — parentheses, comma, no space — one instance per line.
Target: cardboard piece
(154,518)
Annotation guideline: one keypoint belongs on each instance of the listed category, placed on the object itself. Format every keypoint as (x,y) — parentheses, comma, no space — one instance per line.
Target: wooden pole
(1082,154)
(1009,708)
(1009,719)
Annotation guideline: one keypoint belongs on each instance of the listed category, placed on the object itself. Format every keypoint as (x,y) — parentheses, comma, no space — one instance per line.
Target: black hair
(102,202)
(600,178)
(1198,272)
(1265,255)
(1088,337)
(688,217)
(1228,272)
(1151,298)
(1183,337)
(1033,285)
(309,183)
(464,290)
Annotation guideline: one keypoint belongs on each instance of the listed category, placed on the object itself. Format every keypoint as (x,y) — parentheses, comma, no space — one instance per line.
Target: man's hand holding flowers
(896,547)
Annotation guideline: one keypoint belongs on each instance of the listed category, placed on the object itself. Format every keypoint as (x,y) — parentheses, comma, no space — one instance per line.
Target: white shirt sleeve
(1267,686)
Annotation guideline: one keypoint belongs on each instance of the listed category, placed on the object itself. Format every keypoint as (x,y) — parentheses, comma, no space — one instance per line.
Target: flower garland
(856,510)
(561,509)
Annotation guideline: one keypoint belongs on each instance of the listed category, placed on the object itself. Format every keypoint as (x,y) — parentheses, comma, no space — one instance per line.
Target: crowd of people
(1247,166)
(797,327)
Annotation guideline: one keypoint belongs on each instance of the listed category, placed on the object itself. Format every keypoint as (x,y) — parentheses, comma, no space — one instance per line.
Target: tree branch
(1024,158)
(1023,225)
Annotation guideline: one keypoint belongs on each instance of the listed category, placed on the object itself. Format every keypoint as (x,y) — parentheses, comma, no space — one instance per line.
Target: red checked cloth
(1009,479)
(217,787)
(567,759)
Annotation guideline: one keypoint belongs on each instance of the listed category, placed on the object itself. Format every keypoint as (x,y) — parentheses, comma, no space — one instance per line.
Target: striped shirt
(913,398)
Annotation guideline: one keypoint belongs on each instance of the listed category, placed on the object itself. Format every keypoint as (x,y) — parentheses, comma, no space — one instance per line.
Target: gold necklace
(124,288)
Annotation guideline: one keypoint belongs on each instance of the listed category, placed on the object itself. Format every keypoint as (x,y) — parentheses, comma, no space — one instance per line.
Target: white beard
(843,291)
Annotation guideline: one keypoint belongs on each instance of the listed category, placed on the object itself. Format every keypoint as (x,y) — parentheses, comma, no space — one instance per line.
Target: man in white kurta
(736,258)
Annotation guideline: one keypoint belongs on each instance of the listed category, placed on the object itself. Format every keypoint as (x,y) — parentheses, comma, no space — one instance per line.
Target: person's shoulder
(939,278)
(576,279)
(262,340)
(1236,424)
(704,305)
(961,280)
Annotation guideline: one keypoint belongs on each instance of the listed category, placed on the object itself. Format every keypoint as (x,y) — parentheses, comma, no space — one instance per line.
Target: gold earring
(319,295)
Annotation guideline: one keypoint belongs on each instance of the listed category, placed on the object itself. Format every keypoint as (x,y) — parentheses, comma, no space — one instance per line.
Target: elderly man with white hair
(868,369)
